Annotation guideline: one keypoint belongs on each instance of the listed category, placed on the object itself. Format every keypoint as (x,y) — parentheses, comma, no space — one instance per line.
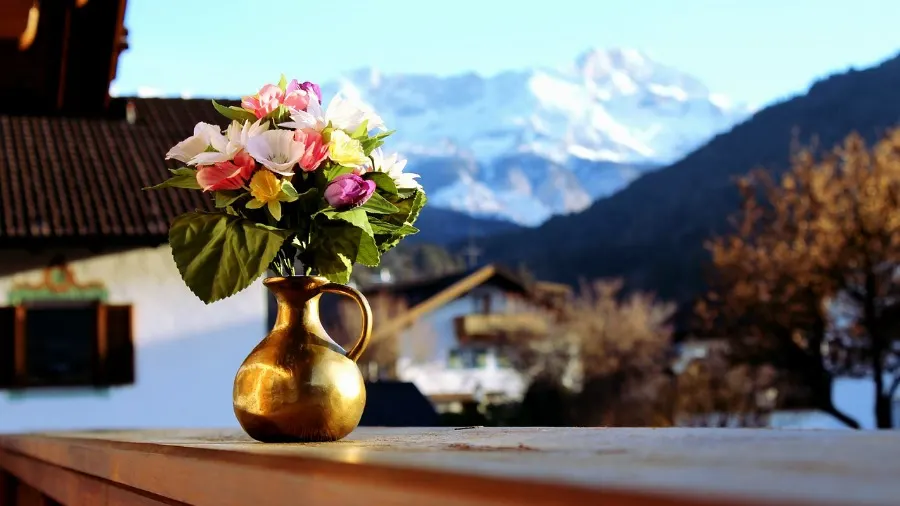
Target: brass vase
(298,385)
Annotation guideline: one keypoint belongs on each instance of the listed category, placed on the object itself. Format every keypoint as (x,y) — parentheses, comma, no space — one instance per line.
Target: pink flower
(270,97)
(295,97)
(267,100)
(226,175)
(315,149)
(313,89)
(348,190)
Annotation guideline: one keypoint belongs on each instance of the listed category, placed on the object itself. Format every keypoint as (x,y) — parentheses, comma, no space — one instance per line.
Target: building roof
(78,181)
(415,292)
(426,296)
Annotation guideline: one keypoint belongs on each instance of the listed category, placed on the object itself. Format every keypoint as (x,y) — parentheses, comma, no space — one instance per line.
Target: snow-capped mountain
(525,145)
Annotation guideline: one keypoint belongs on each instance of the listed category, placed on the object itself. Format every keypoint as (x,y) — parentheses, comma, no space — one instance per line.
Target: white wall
(432,375)
(186,352)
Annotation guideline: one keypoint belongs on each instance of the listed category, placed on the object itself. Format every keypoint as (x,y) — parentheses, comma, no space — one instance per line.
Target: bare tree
(712,391)
(625,346)
(612,352)
(823,239)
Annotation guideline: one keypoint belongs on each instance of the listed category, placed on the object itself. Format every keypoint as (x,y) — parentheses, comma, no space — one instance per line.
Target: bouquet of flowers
(292,182)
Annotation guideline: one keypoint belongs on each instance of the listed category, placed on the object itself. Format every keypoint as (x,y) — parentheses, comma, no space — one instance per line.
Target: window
(454,361)
(486,304)
(481,302)
(481,357)
(467,358)
(66,344)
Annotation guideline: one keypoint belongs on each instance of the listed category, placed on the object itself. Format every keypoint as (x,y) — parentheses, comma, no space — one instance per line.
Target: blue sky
(753,51)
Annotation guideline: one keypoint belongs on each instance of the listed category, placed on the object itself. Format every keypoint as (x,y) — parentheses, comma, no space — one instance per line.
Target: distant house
(454,337)
(96,326)
(97,329)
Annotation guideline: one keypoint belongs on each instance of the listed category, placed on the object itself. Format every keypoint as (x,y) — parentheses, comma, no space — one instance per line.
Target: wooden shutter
(7,346)
(118,367)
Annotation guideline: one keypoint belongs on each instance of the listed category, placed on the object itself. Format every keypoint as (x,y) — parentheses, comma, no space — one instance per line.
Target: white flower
(237,135)
(343,113)
(393,166)
(312,117)
(205,136)
(276,150)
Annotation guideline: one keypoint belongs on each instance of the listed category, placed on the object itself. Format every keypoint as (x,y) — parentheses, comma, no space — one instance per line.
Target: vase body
(298,385)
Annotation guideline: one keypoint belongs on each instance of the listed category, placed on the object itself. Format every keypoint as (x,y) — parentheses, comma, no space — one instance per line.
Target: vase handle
(366,327)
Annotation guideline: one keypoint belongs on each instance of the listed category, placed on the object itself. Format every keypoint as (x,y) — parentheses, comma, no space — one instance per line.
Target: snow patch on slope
(615,106)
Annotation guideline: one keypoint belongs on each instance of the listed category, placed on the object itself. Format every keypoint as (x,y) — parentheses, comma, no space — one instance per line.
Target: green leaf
(368,253)
(234,113)
(326,209)
(405,193)
(289,191)
(370,144)
(339,246)
(356,217)
(309,194)
(383,182)
(376,141)
(337,170)
(408,212)
(226,198)
(379,205)
(184,177)
(415,206)
(361,131)
(336,267)
(282,83)
(308,200)
(380,227)
(408,209)
(218,255)
(279,115)
(383,135)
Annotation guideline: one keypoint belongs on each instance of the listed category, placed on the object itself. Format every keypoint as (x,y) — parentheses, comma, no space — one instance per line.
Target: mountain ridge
(529,144)
(653,230)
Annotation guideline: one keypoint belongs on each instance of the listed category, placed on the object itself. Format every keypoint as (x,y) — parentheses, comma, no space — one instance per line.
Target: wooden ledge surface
(483,466)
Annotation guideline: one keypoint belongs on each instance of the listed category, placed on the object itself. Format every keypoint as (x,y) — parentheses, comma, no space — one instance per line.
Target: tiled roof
(427,296)
(415,292)
(78,180)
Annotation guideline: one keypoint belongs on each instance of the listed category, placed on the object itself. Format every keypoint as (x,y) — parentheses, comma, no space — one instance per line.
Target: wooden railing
(455,467)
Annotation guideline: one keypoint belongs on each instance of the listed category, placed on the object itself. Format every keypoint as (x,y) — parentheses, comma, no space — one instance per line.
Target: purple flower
(312,88)
(348,190)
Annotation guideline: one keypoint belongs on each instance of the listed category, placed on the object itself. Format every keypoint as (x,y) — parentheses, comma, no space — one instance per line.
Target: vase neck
(298,312)
(298,317)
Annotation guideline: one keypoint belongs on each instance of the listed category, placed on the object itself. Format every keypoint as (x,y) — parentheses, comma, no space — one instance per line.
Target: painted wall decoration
(59,283)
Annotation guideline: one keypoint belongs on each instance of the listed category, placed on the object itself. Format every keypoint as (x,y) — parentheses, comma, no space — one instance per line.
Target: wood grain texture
(62,486)
(474,467)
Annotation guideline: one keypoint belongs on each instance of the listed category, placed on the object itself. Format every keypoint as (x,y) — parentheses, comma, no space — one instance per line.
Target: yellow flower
(267,190)
(346,151)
